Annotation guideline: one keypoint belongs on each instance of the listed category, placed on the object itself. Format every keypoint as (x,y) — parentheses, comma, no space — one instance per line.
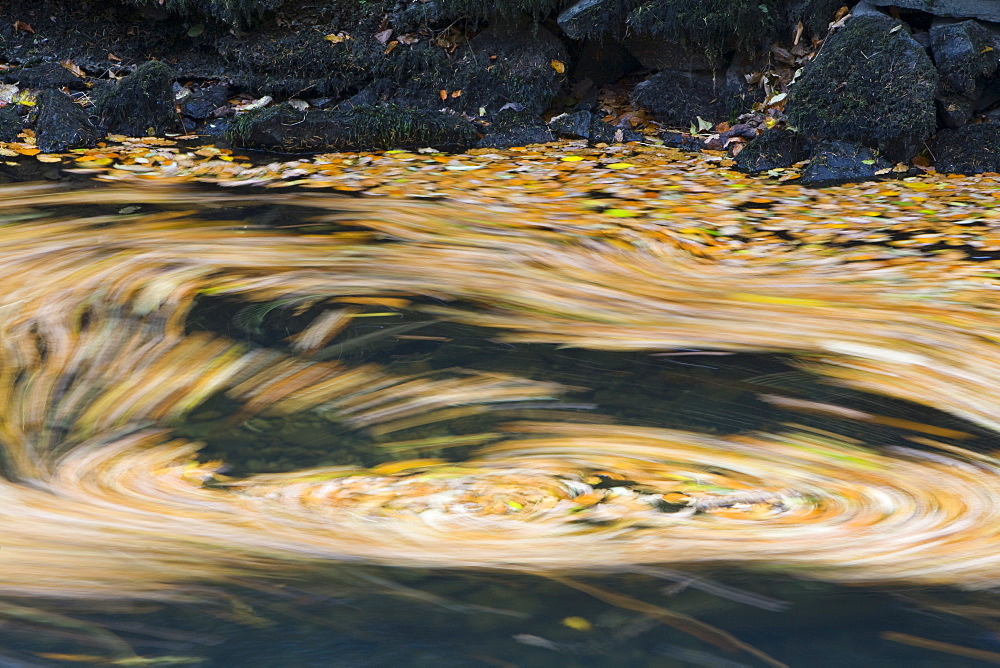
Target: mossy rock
(62,124)
(506,64)
(141,104)
(716,26)
(238,13)
(303,62)
(872,84)
(971,149)
(282,128)
(679,98)
(10,123)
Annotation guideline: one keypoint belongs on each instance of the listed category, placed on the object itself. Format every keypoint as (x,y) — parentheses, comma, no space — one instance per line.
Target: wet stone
(62,124)
(970,149)
(837,162)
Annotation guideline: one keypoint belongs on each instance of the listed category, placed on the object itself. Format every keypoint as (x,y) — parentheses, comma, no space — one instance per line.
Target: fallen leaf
(23,27)
(337,38)
(443,94)
(383,36)
(558,65)
(72,67)
(113,57)
(456,93)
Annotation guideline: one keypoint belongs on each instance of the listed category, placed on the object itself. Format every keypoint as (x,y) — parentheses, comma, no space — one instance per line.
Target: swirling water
(563,599)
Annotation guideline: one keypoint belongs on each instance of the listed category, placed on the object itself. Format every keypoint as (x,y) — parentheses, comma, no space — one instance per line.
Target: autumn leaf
(558,65)
(23,27)
(337,38)
(72,67)
(443,94)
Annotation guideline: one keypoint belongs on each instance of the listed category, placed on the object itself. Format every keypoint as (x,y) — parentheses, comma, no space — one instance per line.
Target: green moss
(714,25)
(239,13)
(872,84)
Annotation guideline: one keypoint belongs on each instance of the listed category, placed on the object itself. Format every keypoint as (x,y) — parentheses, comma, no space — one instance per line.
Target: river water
(178,562)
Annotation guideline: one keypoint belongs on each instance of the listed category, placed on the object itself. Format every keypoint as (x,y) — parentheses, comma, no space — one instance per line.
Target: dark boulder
(62,124)
(238,13)
(47,75)
(515,128)
(602,62)
(837,162)
(970,149)
(141,104)
(592,18)
(965,53)
(986,10)
(203,103)
(282,128)
(602,132)
(572,126)
(506,64)
(10,123)
(871,84)
(772,149)
(678,98)
(682,141)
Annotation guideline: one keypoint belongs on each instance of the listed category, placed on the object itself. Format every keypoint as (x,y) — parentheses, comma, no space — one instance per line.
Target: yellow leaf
(572,158)
(620,165)
(621,213)
(771,299)
(577,623)
(337,38)
(558,65)
(48,158)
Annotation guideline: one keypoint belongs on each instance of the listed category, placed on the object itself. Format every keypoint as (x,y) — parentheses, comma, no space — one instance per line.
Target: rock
(659,54)
(378,92)
(515,128)
(237,13)
(970,149)
(141,104)
(10,123)
(62,124)
(837,162)
(572,126)
(772,149)
(589,18)
(203,102)
(508,63)
(986,10)
(678,98)
(954,110)
(48,75)
(605,133)
(682,141)
(282,128)
(871,84)
(965,55)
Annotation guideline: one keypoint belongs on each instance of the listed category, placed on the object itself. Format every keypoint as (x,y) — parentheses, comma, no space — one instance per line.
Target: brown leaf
(72,67)
(444,94)
(456,93)
(383,36)
(23,27)
(113,57)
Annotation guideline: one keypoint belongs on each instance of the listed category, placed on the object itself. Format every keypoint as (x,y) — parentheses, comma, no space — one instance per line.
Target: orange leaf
(558,65)
(443,93)
(457,93)
(23,27)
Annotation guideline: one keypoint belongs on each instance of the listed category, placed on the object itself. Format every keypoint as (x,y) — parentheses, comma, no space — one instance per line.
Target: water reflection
(388,386)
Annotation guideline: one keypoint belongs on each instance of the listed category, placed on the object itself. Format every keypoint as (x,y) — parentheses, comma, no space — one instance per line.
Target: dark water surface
(361,615)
